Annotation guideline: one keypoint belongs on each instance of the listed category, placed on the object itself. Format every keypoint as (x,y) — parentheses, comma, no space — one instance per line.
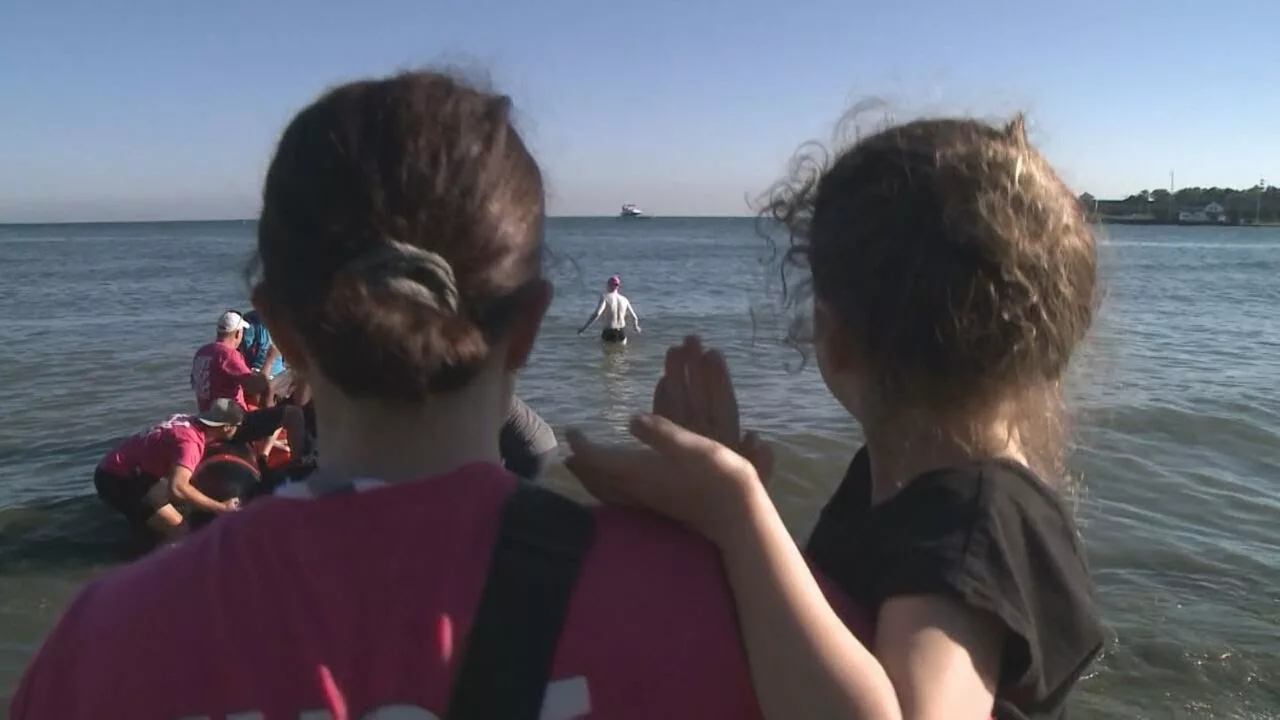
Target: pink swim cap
(614,282)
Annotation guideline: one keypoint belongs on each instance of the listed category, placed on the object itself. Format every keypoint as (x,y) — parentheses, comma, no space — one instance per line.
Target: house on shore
(1212,214)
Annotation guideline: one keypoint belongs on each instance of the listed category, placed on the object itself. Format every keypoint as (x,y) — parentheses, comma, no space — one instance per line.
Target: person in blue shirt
(258,350)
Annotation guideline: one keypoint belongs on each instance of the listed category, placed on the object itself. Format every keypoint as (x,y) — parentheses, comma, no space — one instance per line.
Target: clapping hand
(697,464)
(696,393)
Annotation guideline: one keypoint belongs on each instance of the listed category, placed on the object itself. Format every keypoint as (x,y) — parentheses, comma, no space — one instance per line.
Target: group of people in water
(151,475)
(144,477)
(950,275)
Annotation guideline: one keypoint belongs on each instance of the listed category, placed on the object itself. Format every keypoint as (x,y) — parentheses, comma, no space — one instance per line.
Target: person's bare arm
(179,482)
(270,360)
(635,319)
(594,316)
(935,658)
(804,661)
(942,656)
(254,384)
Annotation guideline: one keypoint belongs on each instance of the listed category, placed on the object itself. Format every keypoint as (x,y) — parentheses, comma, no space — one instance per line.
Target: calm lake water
(1178,417)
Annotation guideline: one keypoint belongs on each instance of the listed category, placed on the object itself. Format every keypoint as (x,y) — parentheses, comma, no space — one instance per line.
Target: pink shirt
(155,452)
(357,606)
(215,373)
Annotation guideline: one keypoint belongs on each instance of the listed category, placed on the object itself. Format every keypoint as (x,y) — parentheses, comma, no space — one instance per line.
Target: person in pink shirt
(218,370)
(410,575)
(140,478)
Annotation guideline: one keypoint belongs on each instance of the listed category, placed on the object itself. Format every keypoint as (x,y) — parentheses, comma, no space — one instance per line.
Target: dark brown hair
(401,220)
(961,269)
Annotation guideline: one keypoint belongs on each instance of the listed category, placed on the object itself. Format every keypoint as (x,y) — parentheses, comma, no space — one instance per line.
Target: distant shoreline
(1106,220)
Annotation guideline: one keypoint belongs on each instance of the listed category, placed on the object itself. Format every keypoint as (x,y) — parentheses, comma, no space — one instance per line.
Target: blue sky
(167,109)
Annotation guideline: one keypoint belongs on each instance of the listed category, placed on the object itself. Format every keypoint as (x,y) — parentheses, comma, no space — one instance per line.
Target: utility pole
(1257,213)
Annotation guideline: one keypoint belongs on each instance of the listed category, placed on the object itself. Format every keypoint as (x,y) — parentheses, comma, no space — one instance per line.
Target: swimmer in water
(615,306)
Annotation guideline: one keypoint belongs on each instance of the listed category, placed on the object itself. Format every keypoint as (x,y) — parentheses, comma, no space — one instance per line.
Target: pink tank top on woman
(357,606)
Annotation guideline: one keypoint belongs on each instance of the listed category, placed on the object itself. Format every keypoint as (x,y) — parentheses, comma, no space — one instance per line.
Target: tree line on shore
(1256,204)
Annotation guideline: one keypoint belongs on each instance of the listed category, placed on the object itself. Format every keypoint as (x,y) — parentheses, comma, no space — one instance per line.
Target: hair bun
(403,311)
(370,189)
(410,272)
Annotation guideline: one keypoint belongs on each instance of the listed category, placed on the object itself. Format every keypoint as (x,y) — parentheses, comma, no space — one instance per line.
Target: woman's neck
(400,441)
(898,456)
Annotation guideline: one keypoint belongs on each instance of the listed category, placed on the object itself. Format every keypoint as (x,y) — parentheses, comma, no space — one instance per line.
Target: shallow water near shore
(1177,414)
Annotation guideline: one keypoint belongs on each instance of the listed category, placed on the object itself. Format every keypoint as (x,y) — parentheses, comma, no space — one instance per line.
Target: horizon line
(7,223)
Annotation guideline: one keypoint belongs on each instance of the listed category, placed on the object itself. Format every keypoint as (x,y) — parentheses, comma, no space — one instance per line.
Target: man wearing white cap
(218,370)
(142,476)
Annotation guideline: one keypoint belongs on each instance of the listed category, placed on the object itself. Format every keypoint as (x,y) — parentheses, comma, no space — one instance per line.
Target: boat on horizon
(631,210)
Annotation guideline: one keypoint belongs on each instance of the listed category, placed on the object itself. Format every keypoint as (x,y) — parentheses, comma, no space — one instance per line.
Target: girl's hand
(699,468)
(696,392)
(682,475)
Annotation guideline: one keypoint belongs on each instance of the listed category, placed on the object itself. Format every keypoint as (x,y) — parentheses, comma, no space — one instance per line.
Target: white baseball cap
(231,321)
(222,412)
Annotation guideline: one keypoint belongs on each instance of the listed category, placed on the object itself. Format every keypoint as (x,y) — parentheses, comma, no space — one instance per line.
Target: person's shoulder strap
(542,540)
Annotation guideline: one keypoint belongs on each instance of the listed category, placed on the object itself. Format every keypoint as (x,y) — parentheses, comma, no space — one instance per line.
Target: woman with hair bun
(409,575)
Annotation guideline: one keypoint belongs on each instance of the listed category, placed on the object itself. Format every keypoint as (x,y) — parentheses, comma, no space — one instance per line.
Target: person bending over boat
(410,575)
(218,370)
(526,441)
(140,478)
(615,307)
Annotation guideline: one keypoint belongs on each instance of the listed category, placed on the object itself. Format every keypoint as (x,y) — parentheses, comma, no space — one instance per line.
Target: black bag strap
(542,539)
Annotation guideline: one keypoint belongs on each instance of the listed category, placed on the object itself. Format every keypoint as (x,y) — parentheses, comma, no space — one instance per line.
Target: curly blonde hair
(961,268)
